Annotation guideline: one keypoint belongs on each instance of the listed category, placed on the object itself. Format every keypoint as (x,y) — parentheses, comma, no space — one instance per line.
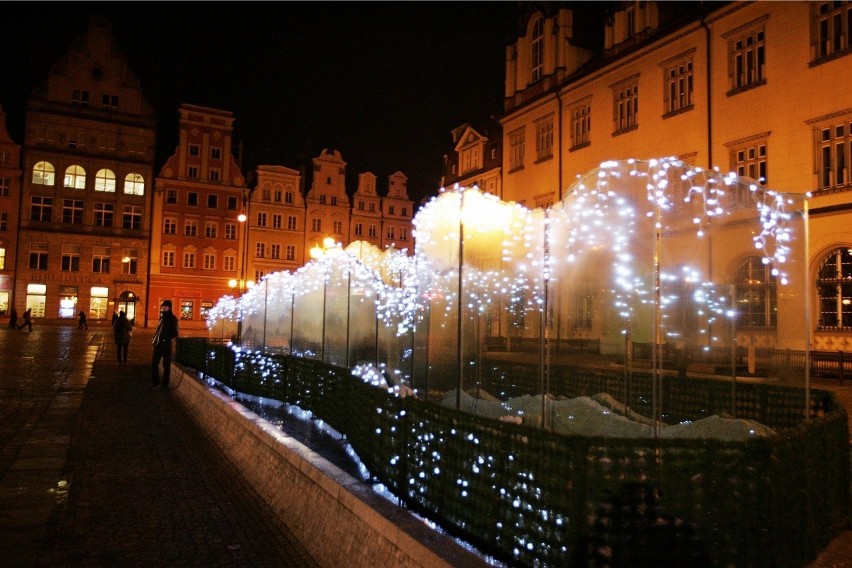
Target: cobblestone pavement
(98,469)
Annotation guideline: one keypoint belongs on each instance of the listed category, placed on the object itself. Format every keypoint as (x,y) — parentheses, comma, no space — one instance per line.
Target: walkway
(98,469)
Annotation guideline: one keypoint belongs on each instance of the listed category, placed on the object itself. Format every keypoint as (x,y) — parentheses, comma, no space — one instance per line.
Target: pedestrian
(122,331)
(114,317)
(167,330)
(13,319)
(28,320)
(82,324)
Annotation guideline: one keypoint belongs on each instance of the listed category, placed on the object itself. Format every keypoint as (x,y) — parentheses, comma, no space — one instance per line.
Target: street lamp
(242,283)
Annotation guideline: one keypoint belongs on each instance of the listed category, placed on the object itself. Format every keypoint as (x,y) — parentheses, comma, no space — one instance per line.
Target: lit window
(75,177)
(44,174)
(134,184)
(834,285)
(105,181)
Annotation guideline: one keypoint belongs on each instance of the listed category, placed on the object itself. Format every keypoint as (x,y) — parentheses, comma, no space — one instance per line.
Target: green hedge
(534,498)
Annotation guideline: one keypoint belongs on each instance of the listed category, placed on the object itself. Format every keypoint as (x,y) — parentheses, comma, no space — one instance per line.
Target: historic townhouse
(10,193)
(88,161)
(476,159)
(757,88)
(397,211)
(366,211)
(198,234)
(327,201)
(276,223)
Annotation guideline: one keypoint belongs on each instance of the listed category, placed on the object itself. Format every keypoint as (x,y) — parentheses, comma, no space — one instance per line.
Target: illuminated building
(10,192)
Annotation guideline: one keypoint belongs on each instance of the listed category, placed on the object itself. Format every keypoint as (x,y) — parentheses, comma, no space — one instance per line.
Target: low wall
(339,519)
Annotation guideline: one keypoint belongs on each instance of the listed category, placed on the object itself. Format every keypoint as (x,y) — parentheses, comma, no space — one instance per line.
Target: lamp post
(241,283)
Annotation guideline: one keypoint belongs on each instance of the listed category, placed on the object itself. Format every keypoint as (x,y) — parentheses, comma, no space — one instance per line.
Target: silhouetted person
(114,317)
(28,320)
(121,331)
(82,324)
(167,330)
(13,319)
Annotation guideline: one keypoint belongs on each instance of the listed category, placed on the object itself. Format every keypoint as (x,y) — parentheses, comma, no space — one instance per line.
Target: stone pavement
(98,469)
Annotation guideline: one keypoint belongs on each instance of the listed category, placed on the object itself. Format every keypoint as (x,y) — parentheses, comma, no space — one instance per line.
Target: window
(582,310)
(170,226)
(209,261)
(630,21)
(276,221)
(192,198)
(581,123)
(403,234)
(831,24)
(132,217)
(372,207)
(189,260)
(169,258)
(261,219)
(194,150)
(337,227)
(371,231)
(75,177)
(171,196)
(334,200)
(44,174)
(72,211)
(215,153)
(211,228)
(4,221)
(134,184)
(100,259)
(212,201)
(231,231)
(192,172)
(516,150)
(214,174)
(76,139)
(359,229)
(232,203)
(99,299)
(288,197)
(756,295)
(70,258)
(104,213)
(747,56)
(206,307)
(230,262)
(129,261)
(277,196)
(678,85)
(626,104)
(38,256)
(390,233)
(275,250)
(290,252)
(834,140)
(537,50)
(105,181)
(404,212)
(749,159)
(834,287)
(190,228)
(41,208)
(5,184)
(80,97)
(322,199)
(544,139)
(110,102)
(316,225)
(360,205)
(391,210)
(291,223)
(260,250)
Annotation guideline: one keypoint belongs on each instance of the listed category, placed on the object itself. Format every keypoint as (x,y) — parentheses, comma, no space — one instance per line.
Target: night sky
(382,82)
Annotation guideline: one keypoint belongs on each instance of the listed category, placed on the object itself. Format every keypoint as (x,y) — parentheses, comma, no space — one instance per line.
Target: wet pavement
(98,469)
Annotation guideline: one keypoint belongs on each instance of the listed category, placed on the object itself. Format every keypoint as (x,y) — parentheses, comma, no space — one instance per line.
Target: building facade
(476,158)
(88,163)
(754,88)
(197,239)
(10,194)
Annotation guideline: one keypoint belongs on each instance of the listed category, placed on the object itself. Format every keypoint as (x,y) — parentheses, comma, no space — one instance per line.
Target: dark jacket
(167,328)
(121,330)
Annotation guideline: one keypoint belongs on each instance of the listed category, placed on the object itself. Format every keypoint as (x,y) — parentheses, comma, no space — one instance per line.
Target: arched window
(44,174)
(134,184)
(537,49)
(834,286)
(75,177)
(105,181)
(756,295)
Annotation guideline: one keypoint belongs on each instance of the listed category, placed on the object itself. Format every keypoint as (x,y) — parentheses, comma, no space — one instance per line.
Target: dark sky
(382,82)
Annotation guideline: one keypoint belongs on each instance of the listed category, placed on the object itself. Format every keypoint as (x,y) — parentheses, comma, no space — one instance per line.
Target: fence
(535,498)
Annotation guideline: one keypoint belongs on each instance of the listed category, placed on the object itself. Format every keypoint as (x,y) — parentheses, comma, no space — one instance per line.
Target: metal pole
(265,300)
(807,291)
(733,352)
(348,308)
(459,362)
(292,318)
(324,294)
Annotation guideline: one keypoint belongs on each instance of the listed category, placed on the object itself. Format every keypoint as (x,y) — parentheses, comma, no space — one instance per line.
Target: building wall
(88,112)
(10,193)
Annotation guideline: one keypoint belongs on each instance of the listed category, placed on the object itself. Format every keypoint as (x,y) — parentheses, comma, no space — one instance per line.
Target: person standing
(13,319)
(28,320)
(82,324)
(121,334)
(167,330)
